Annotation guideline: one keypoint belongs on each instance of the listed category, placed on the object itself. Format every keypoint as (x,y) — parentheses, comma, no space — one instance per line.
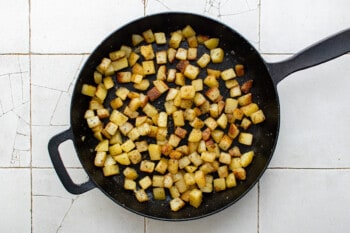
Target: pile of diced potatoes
(200,152)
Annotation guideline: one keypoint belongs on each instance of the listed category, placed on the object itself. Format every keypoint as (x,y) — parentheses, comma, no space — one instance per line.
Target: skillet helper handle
(320,52)
(61,169)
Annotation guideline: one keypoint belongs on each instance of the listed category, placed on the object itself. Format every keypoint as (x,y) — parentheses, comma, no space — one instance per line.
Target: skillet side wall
(237,50)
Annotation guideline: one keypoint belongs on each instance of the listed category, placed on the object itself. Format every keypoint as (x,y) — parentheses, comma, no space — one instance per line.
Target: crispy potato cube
(150,110)
(239,68)
(89,113)
(199,99)
(108,82)
(223,171)
(192,54)
(134,134)
(208,188)
(141,195)
(88,90)
(257,117)
(240,173)
(175,154)
(122,93)
(230,105)
(161,73)
(246,86)
(143,85)
(201,38)
(204,60)
(173,166)
(211,123)
(231,181)
(233,131)
(245,99)
(192,42)
(134,156)
(147,166)
(161,134)
(235,163)
(159,193)
(228,74)
(180,79)
(101,92)
(120,64)
(225,158)
(103,66)
(245,138)
(158,181)
(148,36)
(189,179)
(162,166)
(225,143)
(160,38)
(176,204)
(211,43)
(130,173)
(180,132)
(100,158)
(125,128)
(145,182)
(217,55)
(238,114)
(175,40)
(184,161)
(110,170)
(122,159)
(219,184)
(190,114)
(137,69)
(181,54)
(217,135)
(148,67)
(136,39)
(235,91)
(247,158)
(213,93)
(191,71)
(195,135)
(124,77)
(178,118)
(154,151)
(115,55)
(161,57)
(214,110)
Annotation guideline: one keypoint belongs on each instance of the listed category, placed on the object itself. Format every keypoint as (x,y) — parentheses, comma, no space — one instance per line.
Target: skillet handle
(61,169)
(320,52)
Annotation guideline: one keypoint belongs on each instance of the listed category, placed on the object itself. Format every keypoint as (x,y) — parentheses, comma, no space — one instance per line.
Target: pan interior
(237,50)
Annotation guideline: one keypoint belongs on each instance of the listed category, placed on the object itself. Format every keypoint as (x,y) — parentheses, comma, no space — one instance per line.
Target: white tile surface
(14,25)
(43,46)
(15,200)
(306,200)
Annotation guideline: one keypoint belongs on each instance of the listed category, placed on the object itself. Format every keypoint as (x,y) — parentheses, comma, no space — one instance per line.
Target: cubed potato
(130,173)
(187,92)
(240,173)
(154,151)
(148,36)
(195,197)
(257,117)
(120,64)
(161,73)
(230,105)
(219,184)
(88,90)
(212,43)
(208,156)
(204,60)
(148,67)
(231,83)
(246,86)
(161,57)
(143,85)
(173,166)
(122,159)
(247,158)
(172,93)
(171,52)
(161,86)
(231,181)
(125,128)
(235,91)
(162,166)
(122,93)
(217,135)
(213,93)
(175,40)
(211,123)
(134,156)
(162,134)
(214,72)
(249,109)
(190,114)
(110,170)
(225,158)
(137,69)
(222,121)
(191,71)
(150,110)
(100,158)
(223,171)
(217,55)
(197,84)
(168,181)
(211,81)
(115,55)
(181,186)
(128,145)
(115,149)
(147,166)
(176,204)
(178,118)
(136,39)
(228,74)
(141,195)
(102,146)
(170,108)
(163,119)
(192,54)
(195,135)
(101,92)
(145,182)
(239,68)
(245,123)
(160,38)
(245,138)
(103,66)
(158,181)
(180,79)
(159,193)
(225,142)
(181,54)
(238,114)
(192,42)
(126,49)
(233,131)
(98,77)
(199,99)
(93,121)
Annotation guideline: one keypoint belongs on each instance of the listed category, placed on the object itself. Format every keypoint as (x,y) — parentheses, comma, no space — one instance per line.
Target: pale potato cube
(161,57)
(223,171)
(93,121)
(115,149)
(231,181)
(101,92)
(245,123)
(170,108)
(214,110)
(211,123)
(88,90)
(102,146)
(110,170)
(154,151)
(228,74)
(128,145)
(213,93)
(199,99)
(231,83)
(245,138)
(159,193)
(144,129)
(212,43)
(225,158)
(217,135)
(171,52)
(162,166)
(181,185)
(103,66)
(192,54)
(134,134)
(129,184)
(219,184)
(230,105)
(208,187)
(145,182)
(122,159)
(204,60)
(122,92)
(195,135)
(257,117)
(115,55)
(161,86)
(222,121)
(175,40)
(173,166)
(160,38)
(162,119)
(217,55)
(148,67)
(180,79)
(197,84)
(136,39)
(143,85)
(172,93)
(158,181)
(192,42)
(126,128)
(126,49)
(191,71)
(208,156)
(135,156)
(249,109)
(181,54)
(150,110)
(168,180)
(247,158)
(214,72)
(100,158)
(176,204)
(120,64)
(211,81)
(235,91)
(178,118)
(147,166)
(187,92)
(148,36)
(141,195)
(174,140)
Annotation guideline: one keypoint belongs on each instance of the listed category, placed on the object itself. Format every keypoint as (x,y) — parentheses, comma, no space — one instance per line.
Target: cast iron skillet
(266,76)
